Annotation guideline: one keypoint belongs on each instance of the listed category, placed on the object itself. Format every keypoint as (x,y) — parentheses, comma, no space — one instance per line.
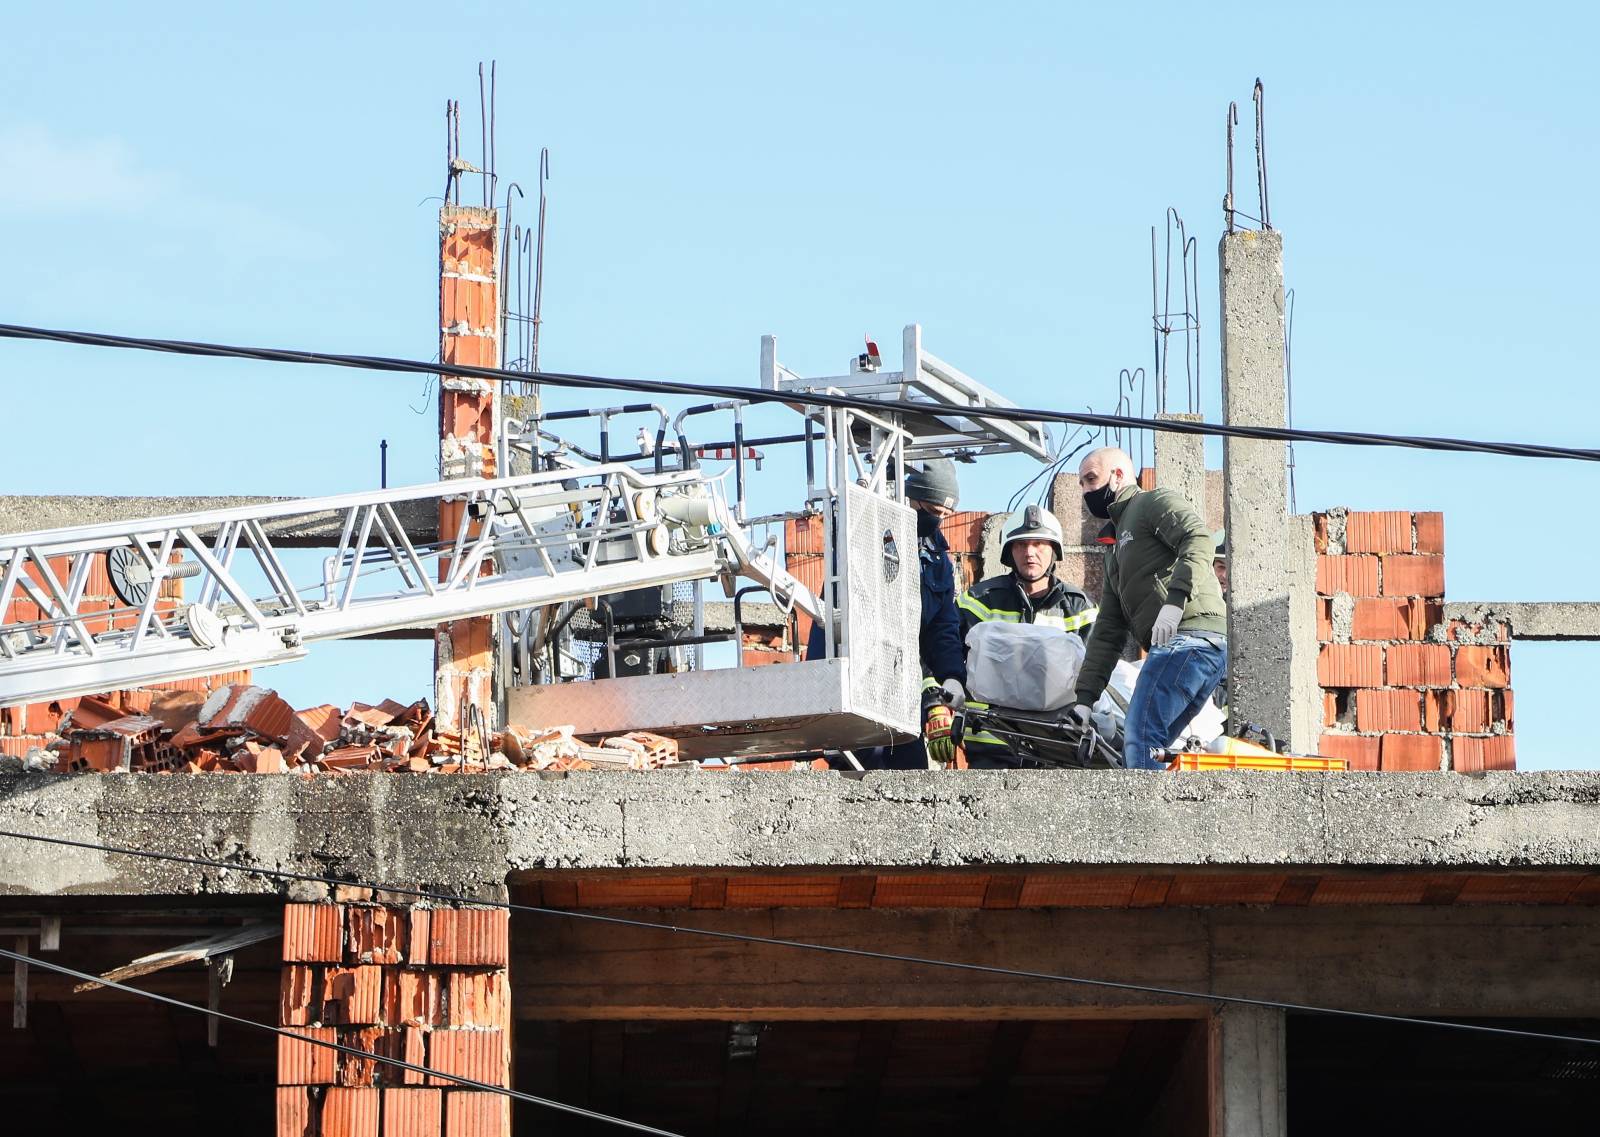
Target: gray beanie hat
(933,481)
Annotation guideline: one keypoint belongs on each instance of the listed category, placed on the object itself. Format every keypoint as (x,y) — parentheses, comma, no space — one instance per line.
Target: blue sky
(816,171)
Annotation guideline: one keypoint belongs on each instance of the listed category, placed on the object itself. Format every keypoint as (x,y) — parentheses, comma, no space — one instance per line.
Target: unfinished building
(738,940)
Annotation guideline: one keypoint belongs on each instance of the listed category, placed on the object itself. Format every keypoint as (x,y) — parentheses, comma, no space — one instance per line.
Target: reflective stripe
(1072,623)
(981,610)
(982,737)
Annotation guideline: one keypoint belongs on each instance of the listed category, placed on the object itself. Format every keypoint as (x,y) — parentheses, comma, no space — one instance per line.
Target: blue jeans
(1176,680)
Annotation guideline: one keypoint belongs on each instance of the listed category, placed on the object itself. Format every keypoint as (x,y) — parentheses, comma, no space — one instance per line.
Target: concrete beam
(469,833)
(1255,479)
(32,512)
(1504,961)
(1533,620)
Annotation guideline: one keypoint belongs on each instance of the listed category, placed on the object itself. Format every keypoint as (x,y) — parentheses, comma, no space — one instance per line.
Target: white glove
(956,692)
(1082,714)
(1166,625)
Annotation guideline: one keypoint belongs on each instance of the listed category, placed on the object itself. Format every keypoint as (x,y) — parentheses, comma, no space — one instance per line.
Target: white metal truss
(955,400)
(505,544)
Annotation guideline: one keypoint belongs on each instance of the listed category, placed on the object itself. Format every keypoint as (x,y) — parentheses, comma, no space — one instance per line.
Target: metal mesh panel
(883,599)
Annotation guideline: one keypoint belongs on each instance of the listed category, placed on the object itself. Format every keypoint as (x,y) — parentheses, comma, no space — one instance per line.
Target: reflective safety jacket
(1001,598)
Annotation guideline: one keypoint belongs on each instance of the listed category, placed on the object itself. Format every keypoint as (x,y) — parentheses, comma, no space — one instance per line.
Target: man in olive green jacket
(1161,589)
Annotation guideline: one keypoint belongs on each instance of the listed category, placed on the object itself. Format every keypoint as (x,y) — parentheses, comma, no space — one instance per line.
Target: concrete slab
(467,833)
(28,513)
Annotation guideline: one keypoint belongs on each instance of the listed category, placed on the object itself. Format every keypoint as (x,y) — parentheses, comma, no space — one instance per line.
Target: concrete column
(1305,693)
(1181,462)
(1251,1072)
(1255,481)
(469,334)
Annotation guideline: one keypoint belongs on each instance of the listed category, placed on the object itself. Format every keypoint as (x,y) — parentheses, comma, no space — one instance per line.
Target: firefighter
(1029,592)
(933,491)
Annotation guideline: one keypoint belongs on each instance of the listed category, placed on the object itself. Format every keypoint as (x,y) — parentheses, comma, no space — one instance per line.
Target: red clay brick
(376,935)
(353,995)
(1319,537)
(313,933)
(1381,620)
(297,1113)
(474,1113)
(350,1112)
(355,1070)
(1388,709)
(1430,533)
(1483,667)
(1361,753)
(1418,665)
(1355,575)
(413,997)
(478,998)
(477,1054)
(417,935)
(1471,754)
(1410,752)
(1324,620)
(1438,711)
(1330,708)
(1351,665)
(297,995)
(413,1113)
(1471,711)
(470,937)
(1508,705)
(302,1063)
(1405,575)
(1388,532)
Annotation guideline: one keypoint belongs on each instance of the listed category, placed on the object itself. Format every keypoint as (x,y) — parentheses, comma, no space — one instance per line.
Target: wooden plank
(193,952)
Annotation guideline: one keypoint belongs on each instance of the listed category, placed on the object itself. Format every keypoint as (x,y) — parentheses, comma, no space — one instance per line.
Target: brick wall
(469,324)
(1402,688)
(30,726)
(426,986)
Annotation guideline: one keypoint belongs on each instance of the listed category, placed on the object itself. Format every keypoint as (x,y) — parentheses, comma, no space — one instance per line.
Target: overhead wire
(342,1048)
(811,398)
(830,949)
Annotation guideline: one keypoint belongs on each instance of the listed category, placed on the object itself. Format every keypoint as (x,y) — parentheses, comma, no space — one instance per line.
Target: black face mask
(1098,502)
(927,523)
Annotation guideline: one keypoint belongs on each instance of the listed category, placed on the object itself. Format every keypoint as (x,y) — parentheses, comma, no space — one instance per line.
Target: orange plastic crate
(1254,762)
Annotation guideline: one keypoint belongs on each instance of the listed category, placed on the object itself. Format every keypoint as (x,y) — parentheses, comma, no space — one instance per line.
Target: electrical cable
(831,949)
(353,1051)
(810,398)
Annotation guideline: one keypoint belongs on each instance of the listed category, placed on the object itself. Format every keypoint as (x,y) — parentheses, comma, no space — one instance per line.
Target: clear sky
(263,175)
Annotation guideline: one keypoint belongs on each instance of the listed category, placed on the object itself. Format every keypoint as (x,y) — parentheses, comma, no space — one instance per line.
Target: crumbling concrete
(467,833)
(1256,482)
(1532,620)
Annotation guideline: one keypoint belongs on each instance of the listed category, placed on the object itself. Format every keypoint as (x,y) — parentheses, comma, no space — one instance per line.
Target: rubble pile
(243,728)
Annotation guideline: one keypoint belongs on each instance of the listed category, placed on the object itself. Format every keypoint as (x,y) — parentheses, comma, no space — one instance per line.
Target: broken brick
(376,935)
(478,998)
(238,706)
(353,995)
(297,995)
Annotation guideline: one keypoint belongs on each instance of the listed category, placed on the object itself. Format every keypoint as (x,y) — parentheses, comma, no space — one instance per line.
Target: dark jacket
(939,641)
(1162,555)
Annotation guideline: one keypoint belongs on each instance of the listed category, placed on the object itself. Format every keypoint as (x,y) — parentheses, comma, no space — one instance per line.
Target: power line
(354,1051)
(832,949)
(813,398)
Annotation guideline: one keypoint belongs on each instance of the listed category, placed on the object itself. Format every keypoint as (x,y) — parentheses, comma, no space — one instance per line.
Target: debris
(241,728)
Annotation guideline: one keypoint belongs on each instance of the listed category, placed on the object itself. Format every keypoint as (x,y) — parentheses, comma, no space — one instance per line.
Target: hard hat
(1220,538)
(933,481)
(1037,524)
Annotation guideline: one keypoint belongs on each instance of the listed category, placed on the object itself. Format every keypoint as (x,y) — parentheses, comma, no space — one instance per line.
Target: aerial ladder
(213,591)
(517,543)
